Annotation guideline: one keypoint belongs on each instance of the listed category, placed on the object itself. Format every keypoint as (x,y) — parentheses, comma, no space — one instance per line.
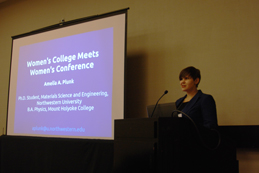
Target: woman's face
(188,84)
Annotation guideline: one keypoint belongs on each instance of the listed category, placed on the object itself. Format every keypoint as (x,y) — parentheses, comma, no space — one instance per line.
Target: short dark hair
(192,72)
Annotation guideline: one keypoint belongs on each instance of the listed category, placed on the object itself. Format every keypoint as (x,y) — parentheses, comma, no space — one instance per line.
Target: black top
(201,109)
(181,107)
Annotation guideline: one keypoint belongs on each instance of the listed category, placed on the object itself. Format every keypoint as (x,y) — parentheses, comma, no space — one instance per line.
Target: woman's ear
(197,80)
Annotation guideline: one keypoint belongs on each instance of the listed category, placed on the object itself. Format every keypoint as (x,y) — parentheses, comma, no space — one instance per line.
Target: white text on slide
(63,59)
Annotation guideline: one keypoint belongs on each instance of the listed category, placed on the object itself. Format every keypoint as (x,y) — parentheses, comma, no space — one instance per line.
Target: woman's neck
(190,95)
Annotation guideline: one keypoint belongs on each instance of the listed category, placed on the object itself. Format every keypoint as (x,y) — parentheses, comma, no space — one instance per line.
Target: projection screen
(67,80)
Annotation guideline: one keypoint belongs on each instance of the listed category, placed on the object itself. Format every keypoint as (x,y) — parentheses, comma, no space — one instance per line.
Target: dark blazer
(201,109)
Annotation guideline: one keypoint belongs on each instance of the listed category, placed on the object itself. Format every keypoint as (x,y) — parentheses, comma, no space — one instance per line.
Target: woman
(200,107)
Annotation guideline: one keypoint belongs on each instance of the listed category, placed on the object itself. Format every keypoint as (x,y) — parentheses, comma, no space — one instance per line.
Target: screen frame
(61,25)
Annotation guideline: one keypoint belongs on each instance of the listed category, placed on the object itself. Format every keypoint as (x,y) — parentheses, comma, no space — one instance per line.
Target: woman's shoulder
(206,97)
(204,94)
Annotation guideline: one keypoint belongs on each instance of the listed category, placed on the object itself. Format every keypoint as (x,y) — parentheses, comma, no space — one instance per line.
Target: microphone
(157,103)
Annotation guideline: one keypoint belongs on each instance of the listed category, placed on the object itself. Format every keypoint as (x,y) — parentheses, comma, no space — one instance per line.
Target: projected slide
(68,80)
(66,89)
